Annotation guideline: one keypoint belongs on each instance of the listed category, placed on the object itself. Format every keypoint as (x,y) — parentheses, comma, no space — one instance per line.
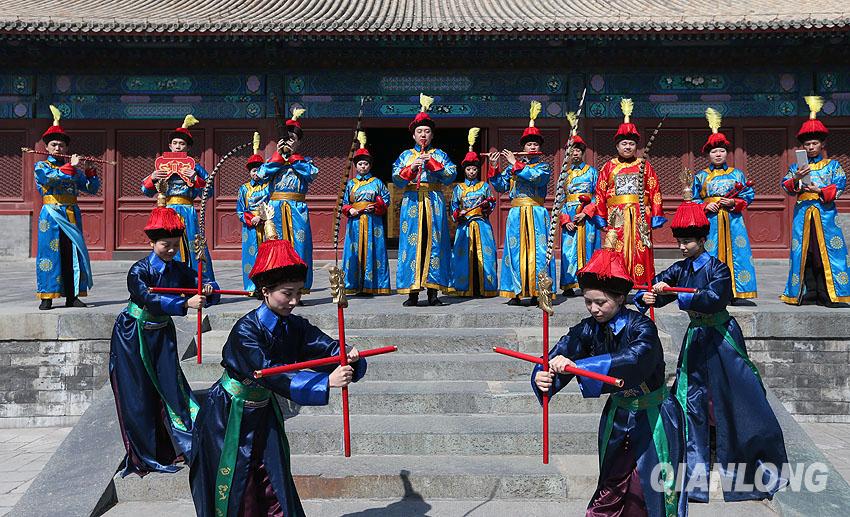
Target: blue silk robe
(474,251)
(578,246)
(364,257)
(640,426)
(717,384)
(526,228)
(58,183)
(250,195)
(288,184)
(728,239)
(181,198)
(155,404)
(423,222)
(242,463)
(817,212)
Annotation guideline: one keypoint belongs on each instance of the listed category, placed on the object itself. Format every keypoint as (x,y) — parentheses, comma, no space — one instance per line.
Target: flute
(82,158)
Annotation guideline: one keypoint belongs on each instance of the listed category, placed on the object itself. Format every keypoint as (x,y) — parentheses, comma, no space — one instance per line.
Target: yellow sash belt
(527,201)
(59,199)
(178,200)
(287,196)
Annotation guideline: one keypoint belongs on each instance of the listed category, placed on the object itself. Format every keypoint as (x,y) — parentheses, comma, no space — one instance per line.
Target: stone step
(447,397)
(443,434)
(417,506)
(386,477)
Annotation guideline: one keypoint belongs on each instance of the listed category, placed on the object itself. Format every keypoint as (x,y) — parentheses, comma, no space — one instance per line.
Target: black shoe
(412,300)
(515,301)
(74,302)
(432,297)
(570,293)
(533,302)
(45,304)
(742,302)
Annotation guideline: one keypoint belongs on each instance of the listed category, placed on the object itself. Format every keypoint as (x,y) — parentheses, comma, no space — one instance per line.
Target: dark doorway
(386,144)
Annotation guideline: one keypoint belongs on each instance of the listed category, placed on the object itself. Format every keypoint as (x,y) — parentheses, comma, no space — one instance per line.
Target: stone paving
(23,453)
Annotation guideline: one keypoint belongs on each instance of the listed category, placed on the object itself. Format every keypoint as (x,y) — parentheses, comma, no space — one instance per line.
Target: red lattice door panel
(11,161)
(223,222)
(93,143)
(768,219)
(136,151)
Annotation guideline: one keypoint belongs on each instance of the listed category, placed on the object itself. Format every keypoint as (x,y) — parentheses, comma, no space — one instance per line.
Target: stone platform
(443,427)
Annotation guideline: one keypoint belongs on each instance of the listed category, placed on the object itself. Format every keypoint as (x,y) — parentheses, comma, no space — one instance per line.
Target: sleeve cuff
(148,183)
(359,369)
(172,304)
(380,207)
(537,392)
(277,158)
(599,222)
(296,158)
(91,172)
(685,300)
(433,165)
(246,218)
(658,221)
(407,173)
(828,193)
(740,205)
(601,364)
(518,166)
(67,169)
(309,388)
(564,219)
(638,301)
(790,185)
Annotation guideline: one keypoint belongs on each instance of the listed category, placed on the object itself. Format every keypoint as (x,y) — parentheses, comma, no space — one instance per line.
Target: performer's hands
(649,298)
(281,144)
(659,287)
(255,220)
(197,301)
(353,212)
(802,171)
(207,289)
(579,217)
(494,157)
(712,207)
(812,188)
(416,166)
(571,226)
(159,175)
(341,377)
(725,202)
(544,380)
(352,354)
(75,160)
(509,156)
(559,363)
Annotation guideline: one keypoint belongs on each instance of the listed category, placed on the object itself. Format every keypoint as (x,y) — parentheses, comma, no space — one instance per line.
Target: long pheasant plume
(256,143)
(189,121)
(472,136)
(572,118)
(361,138)
(425,102)
(56,114)
(298,112)
(533,111)
(815,103)
(714,119)
(627,106)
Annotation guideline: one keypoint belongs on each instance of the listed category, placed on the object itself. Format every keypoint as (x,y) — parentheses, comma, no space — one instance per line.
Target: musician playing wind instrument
(724,194)
(183,188)
(364,203)
(526,181)
(62,263)
(289,175)
(474,251)
(424,246)
(623,190)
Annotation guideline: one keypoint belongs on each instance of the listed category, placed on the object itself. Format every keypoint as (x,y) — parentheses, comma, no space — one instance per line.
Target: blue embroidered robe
(578,246)
(640,426)
(250,195)
(58,183)
(817,213)
(526,228)
(181,198)
(728,239)
(364,257)
(717,384)
(424,246)
(474,250)
(288,184)
(155,405)
(252,446)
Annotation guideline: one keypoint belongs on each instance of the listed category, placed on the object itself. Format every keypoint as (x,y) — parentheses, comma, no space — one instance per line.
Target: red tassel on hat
(275,254)
(606,269)
(813,129)
(166,219)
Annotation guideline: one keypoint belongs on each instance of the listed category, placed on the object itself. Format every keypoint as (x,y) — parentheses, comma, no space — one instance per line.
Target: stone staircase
(442,427)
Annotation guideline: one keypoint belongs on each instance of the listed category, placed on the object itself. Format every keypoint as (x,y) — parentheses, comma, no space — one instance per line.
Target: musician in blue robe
(364,203)
(289,175)
(251,195)
(424,245)
(526,180)
(155,404)
(181,194)
(63,267)
(241,464)
(474,251)
(717,386)
(818,272)
(640,429)
(579,235)
(724,193)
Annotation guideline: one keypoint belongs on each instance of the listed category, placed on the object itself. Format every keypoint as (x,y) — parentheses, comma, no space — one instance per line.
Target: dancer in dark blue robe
(640,429)
(155,405)
(717,385)
(241,465)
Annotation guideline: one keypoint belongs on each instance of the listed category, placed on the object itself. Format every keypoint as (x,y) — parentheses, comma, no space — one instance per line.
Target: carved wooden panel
(136,152)
(329,150)
(93,228)
(131,224)
(11,162)
(764,149)
(668,157)
(767,227)
(232,172)
(228,229)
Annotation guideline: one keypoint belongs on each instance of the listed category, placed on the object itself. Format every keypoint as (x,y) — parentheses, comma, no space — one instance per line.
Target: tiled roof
(395,17)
